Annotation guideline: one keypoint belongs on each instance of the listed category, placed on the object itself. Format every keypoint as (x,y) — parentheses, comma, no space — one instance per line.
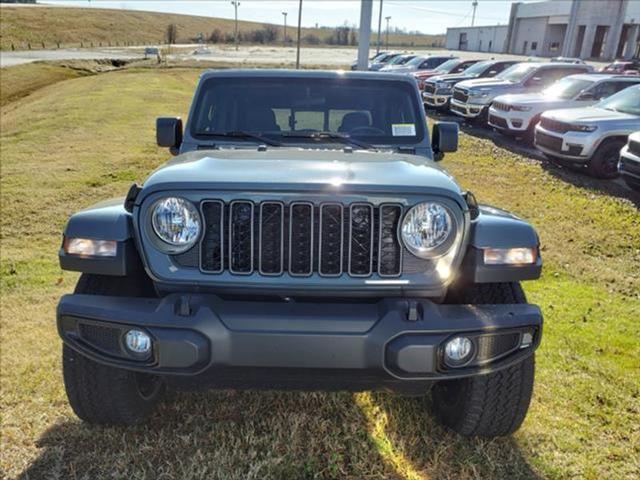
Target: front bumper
(435,100)
(573,146)
(509,122)
(393,339)
(467,110)
(629,165)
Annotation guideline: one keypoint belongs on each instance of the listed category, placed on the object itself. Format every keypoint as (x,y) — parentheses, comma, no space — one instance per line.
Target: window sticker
(403,130)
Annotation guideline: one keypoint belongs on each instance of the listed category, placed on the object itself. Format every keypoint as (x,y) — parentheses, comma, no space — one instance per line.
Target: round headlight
(176,222)
(425,228)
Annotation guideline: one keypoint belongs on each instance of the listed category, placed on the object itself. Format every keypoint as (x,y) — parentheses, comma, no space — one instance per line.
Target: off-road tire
(603,163)
(489,405)
(99,394)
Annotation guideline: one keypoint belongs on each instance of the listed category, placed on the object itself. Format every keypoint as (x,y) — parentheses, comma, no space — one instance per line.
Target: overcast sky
(427,16)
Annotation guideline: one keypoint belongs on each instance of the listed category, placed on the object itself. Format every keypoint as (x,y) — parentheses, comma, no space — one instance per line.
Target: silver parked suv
(472,98)
(518,114)
(629,166)
(591,137)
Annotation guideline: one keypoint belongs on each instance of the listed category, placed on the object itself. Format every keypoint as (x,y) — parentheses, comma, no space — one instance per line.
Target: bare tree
(172,33)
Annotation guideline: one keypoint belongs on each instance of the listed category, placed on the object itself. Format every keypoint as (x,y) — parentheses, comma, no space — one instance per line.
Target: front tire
(489,405)
(105,395)
(604,162)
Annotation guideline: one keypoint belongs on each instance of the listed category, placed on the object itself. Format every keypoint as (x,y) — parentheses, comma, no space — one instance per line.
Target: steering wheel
(367,131)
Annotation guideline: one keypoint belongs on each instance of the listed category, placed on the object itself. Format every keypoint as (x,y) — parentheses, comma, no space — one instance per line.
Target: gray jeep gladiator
(303,237)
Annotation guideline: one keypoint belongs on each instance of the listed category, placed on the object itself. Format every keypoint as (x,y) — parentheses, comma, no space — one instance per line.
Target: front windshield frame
(413,111)
(567,88)
(517,72)
(623,101)
(477,69)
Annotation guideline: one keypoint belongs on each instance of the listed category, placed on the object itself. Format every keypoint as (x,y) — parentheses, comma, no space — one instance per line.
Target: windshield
(382,112)
(416,61)
(567,88)
(389,57)
(625,101)
(517,73)
(401,60)
(477,69)
(449,65)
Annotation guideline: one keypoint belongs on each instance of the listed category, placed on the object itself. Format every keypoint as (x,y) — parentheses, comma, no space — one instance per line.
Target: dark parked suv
(302,237)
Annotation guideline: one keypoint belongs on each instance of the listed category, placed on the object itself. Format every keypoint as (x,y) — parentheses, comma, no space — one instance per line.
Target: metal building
(478,39)
(599,30)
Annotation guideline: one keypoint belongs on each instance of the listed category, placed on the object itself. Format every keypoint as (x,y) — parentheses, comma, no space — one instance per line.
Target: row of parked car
(571,113)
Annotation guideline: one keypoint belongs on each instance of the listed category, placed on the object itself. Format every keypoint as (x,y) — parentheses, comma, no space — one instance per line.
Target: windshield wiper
(347,139)
(241,134)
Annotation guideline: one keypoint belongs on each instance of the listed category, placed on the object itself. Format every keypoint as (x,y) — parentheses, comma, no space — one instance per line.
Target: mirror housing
(587,96)
(444,139)
(169,133)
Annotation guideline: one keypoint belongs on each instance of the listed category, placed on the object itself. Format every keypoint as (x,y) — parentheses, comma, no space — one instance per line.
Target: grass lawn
(79,141)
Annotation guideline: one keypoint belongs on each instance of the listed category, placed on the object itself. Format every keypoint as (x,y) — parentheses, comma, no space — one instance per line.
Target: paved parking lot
(335,57)
(517,146)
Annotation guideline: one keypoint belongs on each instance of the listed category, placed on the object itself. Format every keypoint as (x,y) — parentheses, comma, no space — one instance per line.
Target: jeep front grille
(300,238)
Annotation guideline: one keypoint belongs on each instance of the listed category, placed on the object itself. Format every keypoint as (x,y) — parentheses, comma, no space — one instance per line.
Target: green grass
(584,421)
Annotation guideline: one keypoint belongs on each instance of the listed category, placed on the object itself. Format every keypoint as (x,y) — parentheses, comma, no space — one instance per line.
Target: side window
(603,90)
(622,85)
(462,67)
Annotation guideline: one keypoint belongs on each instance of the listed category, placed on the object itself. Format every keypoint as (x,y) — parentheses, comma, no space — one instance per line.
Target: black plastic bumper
(398,339)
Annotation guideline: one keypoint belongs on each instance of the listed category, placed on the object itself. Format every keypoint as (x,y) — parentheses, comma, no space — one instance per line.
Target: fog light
(527,340)
(510,256)
(138,342)
(458,351)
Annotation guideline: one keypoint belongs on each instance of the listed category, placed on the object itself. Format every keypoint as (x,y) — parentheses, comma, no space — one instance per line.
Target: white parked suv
(518,114)
(472,98)
(591,137)
(629,166)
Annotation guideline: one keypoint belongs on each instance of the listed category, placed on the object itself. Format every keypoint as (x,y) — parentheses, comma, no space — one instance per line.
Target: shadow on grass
(231,434)
(577,177)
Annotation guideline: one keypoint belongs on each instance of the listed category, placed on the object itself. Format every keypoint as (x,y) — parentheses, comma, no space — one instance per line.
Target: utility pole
(387,19)
(366,9)
(299,33)
(473,17)
(379,26)
(235,37)
(284,40)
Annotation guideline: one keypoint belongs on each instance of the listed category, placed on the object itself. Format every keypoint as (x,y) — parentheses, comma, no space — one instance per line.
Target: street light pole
(235,36)
(299,33)
(387,19)
(379,26)
(366,9)
(284,41)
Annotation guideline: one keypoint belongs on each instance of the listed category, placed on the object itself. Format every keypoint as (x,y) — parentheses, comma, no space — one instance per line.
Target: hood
(487,83)
(590,114)
(302,169)
(458,77)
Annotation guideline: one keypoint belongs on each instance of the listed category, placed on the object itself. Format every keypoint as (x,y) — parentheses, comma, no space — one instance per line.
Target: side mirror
(587,96)
(444,139)
(534,82)
(169,133)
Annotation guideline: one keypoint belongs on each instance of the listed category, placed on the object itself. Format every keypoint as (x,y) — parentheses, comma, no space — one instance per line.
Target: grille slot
(299,238)
(211,246)
(430,88)
(389,249)
(361,227)
(271,245)
(331,235)
(634,147)
(241,237)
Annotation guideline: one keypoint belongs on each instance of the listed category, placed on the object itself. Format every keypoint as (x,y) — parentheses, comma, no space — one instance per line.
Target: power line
(439,12)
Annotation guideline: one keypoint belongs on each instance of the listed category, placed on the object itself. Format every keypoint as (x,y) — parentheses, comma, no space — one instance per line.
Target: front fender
(494,228)
(104,221)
